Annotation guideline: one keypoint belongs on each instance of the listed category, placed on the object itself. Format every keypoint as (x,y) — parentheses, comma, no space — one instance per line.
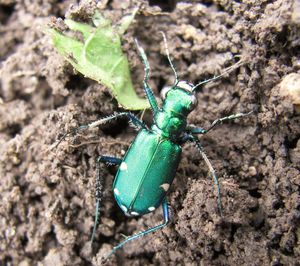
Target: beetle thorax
(170,124)
(177,105)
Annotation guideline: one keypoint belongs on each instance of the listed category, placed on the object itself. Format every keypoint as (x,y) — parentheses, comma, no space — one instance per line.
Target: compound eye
(164,91)
(185,86)
(194,102)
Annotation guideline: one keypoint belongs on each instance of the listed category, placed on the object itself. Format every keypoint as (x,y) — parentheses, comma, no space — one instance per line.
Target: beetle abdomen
(146,173)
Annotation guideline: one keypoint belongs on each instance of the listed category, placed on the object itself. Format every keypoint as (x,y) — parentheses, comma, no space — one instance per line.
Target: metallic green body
(146,173)
(150,164)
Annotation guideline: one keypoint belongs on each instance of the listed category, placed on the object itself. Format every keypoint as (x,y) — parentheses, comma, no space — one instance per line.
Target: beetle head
(179,98)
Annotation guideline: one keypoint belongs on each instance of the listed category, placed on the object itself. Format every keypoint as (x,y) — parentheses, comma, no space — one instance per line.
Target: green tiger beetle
(142,182)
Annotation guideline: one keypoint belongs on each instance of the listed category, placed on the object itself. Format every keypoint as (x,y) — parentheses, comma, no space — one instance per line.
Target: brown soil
(47,195)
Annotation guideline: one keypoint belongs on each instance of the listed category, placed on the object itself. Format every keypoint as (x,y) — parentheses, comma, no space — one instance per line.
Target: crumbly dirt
(47,194)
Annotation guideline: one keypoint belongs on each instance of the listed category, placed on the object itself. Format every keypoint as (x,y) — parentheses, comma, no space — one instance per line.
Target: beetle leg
(213,173)
(227,118)
(199,130)
(196,130)
(147,88)
(132,118)
(165,207)
(194,139)
(99,187)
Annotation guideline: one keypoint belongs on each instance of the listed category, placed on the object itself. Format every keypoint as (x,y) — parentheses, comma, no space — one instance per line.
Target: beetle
(148,168)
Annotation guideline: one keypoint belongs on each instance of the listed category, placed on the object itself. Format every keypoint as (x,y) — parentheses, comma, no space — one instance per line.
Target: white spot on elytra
(124,208)
(116,191)
(165,186)
(134,213)
(123,166)
(151,208)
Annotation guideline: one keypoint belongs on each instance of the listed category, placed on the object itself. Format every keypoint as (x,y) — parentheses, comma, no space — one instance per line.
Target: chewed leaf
(99,56)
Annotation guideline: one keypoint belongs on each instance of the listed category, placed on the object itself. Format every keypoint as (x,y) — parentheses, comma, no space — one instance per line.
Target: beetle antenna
(169,58)
(226,71)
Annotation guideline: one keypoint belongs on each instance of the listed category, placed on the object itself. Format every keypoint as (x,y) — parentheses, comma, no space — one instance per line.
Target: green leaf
(99,56)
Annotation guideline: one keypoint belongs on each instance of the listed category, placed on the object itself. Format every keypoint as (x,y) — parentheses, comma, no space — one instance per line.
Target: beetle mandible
(141,183)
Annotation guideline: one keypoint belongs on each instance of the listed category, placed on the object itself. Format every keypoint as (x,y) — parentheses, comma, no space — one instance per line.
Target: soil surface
(47,197)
